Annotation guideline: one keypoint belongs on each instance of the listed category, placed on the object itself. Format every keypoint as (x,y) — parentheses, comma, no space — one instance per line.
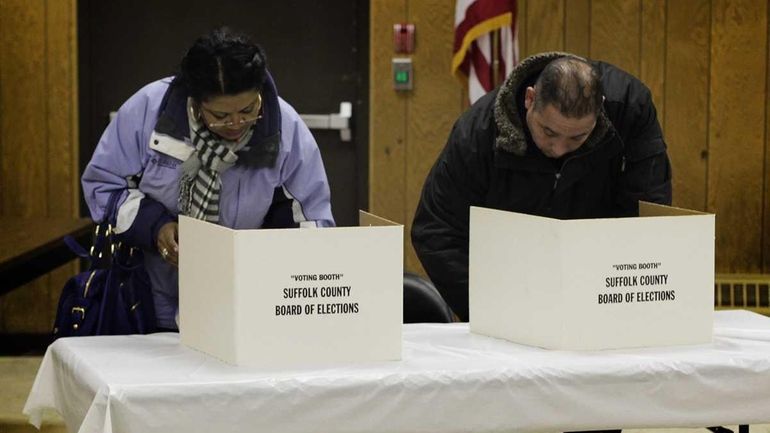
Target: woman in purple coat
(216,143)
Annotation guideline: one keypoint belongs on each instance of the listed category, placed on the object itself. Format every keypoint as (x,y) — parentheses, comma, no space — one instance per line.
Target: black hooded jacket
(490,161)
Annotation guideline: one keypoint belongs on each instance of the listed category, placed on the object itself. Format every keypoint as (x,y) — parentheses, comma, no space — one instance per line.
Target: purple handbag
(111,300)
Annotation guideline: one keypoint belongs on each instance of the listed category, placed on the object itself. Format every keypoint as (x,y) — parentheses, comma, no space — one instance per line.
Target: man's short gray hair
(572,85)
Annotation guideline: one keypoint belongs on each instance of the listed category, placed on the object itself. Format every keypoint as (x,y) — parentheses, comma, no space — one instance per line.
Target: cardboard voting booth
(593,283)
(283,297)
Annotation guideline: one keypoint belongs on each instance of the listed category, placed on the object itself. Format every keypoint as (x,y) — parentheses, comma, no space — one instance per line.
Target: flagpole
(495,63)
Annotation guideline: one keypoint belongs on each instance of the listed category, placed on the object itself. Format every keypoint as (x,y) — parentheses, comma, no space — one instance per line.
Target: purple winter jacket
(278,180)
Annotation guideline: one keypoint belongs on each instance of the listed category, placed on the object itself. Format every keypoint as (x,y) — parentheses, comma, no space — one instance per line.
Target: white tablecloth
(449,380)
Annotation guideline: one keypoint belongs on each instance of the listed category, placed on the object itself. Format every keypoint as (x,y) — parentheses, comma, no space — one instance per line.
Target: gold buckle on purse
(80,310)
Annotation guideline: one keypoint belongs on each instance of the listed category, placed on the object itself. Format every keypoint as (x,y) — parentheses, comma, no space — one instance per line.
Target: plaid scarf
(200,185)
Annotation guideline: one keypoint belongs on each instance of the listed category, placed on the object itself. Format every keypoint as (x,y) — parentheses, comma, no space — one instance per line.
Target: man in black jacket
(563,137)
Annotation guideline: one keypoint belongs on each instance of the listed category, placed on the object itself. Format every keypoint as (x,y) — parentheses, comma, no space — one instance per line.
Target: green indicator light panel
(403,75)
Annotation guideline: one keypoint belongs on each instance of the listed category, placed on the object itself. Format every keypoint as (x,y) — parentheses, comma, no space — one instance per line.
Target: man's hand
(167,243)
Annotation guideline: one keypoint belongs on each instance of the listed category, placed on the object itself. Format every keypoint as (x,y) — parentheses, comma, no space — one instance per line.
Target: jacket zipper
(557,176)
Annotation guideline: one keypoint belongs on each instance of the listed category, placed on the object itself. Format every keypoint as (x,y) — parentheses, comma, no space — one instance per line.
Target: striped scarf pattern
(200,184)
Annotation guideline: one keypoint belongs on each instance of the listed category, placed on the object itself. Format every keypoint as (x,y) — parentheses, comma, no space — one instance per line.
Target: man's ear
(529,97)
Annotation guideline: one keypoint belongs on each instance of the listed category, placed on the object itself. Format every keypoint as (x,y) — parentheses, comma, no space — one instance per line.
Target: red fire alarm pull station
(403,38)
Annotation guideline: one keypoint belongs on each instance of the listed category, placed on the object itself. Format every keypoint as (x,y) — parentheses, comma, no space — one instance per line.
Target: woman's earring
(196,114)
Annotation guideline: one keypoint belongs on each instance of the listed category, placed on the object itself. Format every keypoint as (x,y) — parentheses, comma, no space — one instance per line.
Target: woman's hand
(167,243)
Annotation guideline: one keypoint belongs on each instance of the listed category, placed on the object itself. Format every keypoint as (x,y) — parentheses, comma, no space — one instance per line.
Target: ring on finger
(164,252)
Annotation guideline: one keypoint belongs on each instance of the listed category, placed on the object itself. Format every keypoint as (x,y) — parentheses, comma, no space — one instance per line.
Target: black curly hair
(222,62)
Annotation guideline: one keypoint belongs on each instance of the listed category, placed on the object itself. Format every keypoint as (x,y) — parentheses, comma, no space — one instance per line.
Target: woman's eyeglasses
(229,123)
(244,118)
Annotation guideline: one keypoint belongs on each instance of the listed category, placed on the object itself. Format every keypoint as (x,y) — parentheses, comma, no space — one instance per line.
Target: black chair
(422,302)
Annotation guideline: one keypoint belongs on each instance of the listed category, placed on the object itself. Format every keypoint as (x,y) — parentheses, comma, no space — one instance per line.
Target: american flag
(482,26)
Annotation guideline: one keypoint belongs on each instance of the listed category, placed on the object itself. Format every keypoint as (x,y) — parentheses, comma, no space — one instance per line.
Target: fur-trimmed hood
(511,136)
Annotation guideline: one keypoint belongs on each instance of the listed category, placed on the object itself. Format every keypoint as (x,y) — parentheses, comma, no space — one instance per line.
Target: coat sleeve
(118,159)
(303,199)
(645,170)
(440,227)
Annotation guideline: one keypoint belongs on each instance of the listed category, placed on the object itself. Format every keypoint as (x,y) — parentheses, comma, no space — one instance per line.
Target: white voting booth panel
(292,296)
(593,283)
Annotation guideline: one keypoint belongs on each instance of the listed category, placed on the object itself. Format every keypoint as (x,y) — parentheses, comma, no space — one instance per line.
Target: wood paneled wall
(38,138)
(408,129)
(706,62)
